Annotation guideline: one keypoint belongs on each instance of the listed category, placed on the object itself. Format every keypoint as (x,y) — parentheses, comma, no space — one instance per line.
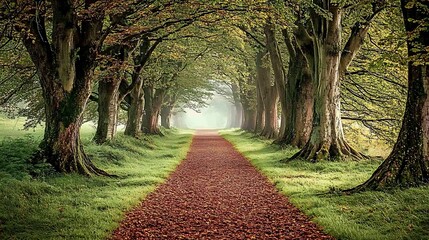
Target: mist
(215,116)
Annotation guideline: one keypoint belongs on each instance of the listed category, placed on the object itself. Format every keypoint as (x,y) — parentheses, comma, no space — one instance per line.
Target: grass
(314,188)
(37,203)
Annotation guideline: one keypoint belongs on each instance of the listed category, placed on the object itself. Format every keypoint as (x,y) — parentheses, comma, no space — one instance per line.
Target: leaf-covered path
(216,194)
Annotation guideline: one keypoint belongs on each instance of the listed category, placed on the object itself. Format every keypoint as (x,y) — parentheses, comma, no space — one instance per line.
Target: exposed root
(325,151)
(76,162)
(155,131)
(398,170)
(269,134)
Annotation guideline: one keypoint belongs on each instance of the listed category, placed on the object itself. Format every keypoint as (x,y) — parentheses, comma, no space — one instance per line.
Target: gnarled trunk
(408,163)
(61,145)
(327,138)
(65,81)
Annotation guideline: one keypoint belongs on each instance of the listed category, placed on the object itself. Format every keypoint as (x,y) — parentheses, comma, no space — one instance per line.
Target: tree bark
(108,106)
(249,121)
(408,163)
(135,111)
(269,95)
(65,81)
(238,109)
(134,90)
(357,36)
(327,138)
(166,116)
(279,78)
(247,98)
(260,110)
(299,96)
(302,123)
(152,107)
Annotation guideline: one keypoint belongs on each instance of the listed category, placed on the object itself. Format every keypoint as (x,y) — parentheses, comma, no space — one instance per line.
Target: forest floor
(215,193)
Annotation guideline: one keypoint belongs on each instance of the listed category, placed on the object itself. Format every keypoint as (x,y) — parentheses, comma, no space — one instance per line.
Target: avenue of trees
(298,72)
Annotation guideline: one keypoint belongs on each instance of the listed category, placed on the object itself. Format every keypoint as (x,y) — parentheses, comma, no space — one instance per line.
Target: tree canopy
(305,73)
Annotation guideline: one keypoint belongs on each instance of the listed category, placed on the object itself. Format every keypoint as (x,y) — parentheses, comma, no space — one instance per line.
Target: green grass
(313,187)
(37,203)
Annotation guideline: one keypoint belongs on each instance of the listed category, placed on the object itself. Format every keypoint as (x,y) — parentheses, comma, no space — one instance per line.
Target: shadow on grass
(15,156)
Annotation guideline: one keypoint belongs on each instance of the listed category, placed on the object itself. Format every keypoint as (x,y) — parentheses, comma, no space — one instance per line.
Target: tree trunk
(152,107)
(238,109)
(135,111)
(108,103)
(260,111)
(270,128)
(408,163)
(327,138)
(302,124)
(166,116)
(299,97)
(269,95)
(247,98)
(279,77)
(238,115)
(66,81)
(249,121)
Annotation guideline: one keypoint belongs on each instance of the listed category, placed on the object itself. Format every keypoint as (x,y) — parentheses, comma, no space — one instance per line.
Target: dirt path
(216,194)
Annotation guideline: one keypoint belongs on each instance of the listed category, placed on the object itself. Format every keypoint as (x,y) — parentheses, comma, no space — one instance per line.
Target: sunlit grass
(314,188)
(37,203)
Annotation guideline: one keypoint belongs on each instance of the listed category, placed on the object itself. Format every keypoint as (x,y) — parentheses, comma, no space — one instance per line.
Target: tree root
(398,170)
(325,151)
(268,134)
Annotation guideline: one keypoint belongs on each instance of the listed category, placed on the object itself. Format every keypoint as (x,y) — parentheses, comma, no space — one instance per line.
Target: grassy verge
(37,203)
(396,214)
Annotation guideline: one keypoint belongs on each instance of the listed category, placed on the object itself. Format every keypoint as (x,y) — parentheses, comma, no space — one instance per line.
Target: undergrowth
(315,188)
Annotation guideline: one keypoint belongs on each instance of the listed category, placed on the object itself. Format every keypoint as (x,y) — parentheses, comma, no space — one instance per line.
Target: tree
(327,64)
(268,93)
(408,163)
(277,66)
(109,97)
(65,68)
(299,95)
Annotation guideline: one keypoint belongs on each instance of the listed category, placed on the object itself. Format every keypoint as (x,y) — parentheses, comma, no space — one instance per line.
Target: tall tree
(408,163)
(328,64)
(108,100)
(299,97)
(247,97)
(268,93)
(277,66)
(65,67)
